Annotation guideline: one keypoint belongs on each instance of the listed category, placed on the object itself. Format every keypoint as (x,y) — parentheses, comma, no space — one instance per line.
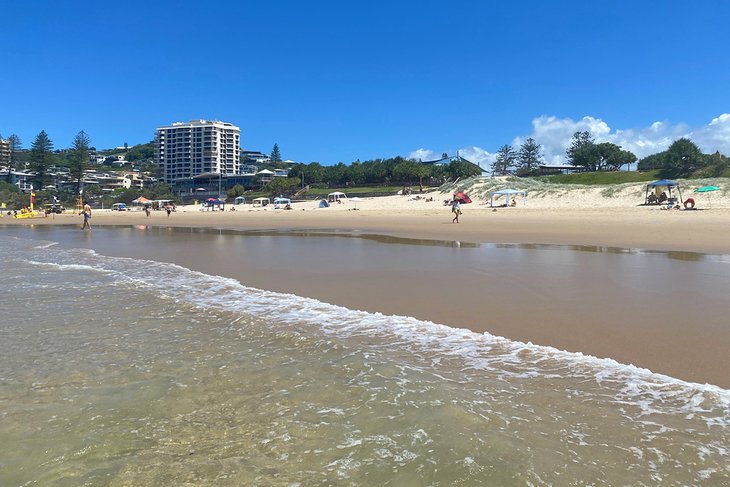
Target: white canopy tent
(280,200)
(336,196)
(507,193)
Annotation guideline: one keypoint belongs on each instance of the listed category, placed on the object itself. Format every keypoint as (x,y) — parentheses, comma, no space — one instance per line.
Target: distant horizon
(331,82)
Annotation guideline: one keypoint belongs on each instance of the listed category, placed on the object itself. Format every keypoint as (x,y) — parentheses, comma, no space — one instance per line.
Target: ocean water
(124,371)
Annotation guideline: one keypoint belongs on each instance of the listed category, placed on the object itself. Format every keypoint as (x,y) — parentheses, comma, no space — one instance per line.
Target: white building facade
(197,147)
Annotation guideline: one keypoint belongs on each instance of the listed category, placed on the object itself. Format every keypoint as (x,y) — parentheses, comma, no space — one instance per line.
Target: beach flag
(32,200)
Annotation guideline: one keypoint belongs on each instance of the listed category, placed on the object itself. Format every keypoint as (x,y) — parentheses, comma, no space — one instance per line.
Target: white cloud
(554,135)
(478,155)
(422,154)
(474,154)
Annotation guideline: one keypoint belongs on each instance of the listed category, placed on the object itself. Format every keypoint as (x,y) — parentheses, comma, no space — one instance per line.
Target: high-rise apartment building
(4,152)
(197,147)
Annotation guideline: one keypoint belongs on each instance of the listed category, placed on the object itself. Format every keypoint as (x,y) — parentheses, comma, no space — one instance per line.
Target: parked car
(119,207)
(53,208)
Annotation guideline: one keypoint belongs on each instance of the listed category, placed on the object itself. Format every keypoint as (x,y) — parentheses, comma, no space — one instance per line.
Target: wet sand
(706,230)
(665,311)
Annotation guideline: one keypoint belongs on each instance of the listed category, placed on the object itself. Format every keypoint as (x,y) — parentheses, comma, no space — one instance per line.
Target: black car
(54,208)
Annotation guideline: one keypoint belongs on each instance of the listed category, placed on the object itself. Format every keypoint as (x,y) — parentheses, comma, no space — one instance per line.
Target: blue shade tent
(657,186)
(507,193)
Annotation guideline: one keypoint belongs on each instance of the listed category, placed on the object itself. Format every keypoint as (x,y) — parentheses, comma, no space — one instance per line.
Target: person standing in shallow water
(87,216)
(456,210)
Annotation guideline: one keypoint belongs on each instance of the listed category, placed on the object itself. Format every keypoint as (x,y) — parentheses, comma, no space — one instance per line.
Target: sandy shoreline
(682,347)
(706,230)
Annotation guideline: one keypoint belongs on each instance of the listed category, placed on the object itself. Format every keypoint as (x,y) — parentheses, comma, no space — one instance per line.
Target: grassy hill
(593,178)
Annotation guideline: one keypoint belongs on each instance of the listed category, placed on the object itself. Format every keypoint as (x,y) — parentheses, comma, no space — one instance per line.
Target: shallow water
(124,371)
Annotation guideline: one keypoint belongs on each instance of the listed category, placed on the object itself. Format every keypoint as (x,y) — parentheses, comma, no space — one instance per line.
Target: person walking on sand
(456,210)
(147,210)
(87,216)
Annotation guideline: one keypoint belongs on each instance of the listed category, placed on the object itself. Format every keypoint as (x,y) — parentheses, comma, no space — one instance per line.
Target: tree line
(682,159)
(41,156)
(583,152)
(376,172)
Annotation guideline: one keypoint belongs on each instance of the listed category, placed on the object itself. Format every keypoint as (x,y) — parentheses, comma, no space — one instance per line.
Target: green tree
(529,156)
(41,156)
(237,190)
(683,157)
(79,158)
(407,171)
(580,140)
(653,161)
(275,154)
(11,196)
(505,160)
(459,169)
(159,191)
(127,195)
(311,173)
(336,175)
(423,171)
(611,157)
(602,157)
(357,173)
(142,152)
(716,165)
(15,146)
(282,185)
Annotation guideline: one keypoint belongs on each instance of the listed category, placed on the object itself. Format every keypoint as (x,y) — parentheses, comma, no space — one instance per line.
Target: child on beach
(456,210)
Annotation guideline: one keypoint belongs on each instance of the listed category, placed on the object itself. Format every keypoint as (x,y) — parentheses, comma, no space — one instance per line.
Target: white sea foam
(653,393)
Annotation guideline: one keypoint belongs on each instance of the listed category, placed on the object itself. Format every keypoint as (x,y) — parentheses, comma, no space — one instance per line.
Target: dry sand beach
(685,346)
(577,216)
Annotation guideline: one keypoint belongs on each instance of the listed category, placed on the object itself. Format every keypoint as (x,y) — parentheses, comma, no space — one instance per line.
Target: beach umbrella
(707,189)
(462,197)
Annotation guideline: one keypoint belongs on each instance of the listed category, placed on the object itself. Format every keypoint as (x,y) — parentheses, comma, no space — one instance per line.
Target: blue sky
(340,81)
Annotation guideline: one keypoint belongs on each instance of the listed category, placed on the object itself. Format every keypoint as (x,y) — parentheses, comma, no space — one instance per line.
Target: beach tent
(211,202)
(659,186)
(336,196)
(240,200)
(323,204)
(508,193)
(282,201)
(159,204)
(462,197)
(141,201)
(261,201)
